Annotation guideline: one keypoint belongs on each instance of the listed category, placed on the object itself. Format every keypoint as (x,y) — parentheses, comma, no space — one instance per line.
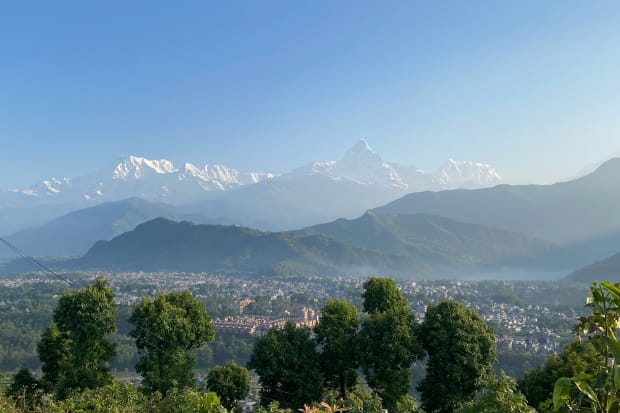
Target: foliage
(230,382)
(336,334)
(576,358)
(112,398)
(288,367)
(357,401)
(273,407)
(382,295)
(600,388)
(461,349)
(387,343)
(185,401)
(125,398)
(166,329)
(25,389)
(499,395)
(54,352)
(76,352)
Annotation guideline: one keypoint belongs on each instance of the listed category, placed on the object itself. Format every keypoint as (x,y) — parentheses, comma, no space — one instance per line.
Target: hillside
(161,244)
(74,233)
(419,246)
(430,238)
(565,212)
(607,270)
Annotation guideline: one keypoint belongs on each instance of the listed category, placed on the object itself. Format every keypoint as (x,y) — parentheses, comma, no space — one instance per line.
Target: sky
(532,87)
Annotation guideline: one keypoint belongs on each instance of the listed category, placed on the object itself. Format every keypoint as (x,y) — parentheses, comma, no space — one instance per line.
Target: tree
(53,352)
(288,368)
(26,388)
(461,349)
(75,353)
(575,358)
(167,329)
(230,382)
(336,334)
(387,343)
(382,295)
(499,395)
(598,389)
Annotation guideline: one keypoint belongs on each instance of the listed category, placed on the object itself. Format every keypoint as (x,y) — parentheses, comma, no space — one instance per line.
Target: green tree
(461,349)
(230,382)
(53,352)
(80,352)
(387,343)
(382,295)
(25,389)
(288,368)
(167,329)
(336,334)
(577,357)
(599,389)
(499,395)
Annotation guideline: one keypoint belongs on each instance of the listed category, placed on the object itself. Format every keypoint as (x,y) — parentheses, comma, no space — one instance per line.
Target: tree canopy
(387,341)
(461,349)
(336,335)
(230,382)
(288,367)
(74,349)
(166,329)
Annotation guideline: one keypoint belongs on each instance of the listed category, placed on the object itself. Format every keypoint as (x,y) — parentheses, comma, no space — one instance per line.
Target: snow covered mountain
(315,193)
(465,174)
(154,180)
(364,166)
(324,191)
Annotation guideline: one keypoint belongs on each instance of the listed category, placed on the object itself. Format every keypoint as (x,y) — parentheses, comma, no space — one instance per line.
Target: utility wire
(34,261)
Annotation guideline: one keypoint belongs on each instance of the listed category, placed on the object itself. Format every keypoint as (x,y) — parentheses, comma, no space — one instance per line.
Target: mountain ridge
(562,212)
(162,244)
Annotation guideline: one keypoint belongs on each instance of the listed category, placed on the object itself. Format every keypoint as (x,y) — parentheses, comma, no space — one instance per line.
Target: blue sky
(532,87)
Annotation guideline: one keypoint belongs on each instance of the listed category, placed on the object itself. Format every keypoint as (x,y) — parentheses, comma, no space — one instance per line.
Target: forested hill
(414,246)
(162,244)
(608,269)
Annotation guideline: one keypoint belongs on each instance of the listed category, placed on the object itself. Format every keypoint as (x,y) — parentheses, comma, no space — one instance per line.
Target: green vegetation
(230,382)
(288,366)
(499,395)
(388,344)
(404,245)
(76,348)
(167,329)
(313,370)
(599,388)
(337,336)
(461,349)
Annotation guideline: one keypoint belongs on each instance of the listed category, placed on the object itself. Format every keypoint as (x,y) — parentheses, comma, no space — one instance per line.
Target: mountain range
(318,192)
(324,218)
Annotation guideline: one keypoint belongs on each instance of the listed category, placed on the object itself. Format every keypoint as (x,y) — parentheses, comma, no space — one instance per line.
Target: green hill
(401,246)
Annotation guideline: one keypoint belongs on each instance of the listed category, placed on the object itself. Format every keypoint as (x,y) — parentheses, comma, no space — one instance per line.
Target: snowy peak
(136,167)
(360,150)
(361,164)
(221,177)
(466,174)
(154,180)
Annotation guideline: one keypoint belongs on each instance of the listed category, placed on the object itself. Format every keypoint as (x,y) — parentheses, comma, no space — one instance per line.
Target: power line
(37,263)
(34,261)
